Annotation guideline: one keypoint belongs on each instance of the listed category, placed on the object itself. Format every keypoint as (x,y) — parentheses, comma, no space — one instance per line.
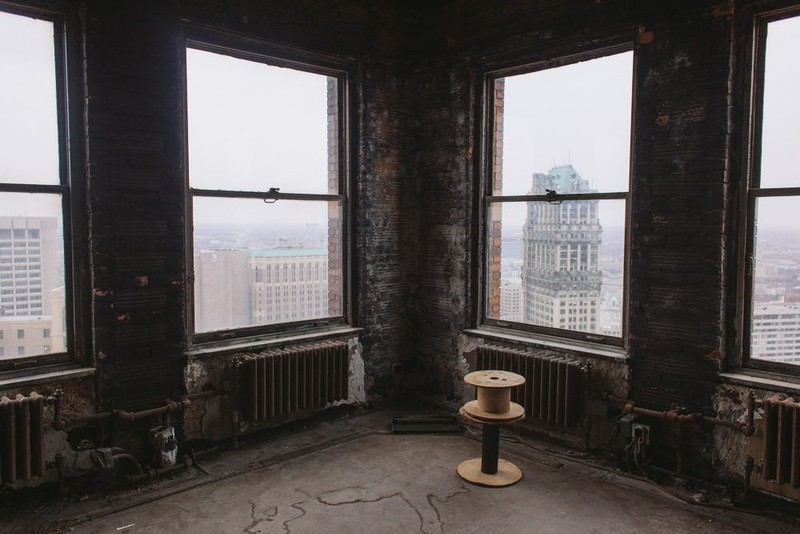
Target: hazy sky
(780,153)
(254,127)
(578,114)
(28,127)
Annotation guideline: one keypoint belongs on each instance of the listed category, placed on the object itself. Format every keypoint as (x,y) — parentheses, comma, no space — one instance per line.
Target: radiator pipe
(749,465)
(747,428)
(60,470)
(152,474)
(235,424)
(169,406)
(55,400)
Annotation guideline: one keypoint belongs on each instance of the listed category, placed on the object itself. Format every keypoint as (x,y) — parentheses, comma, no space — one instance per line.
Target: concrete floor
(353,477)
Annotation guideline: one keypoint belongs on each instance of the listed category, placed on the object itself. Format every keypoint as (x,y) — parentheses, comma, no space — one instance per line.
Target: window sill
(762,380)
(43,375)
(584,348)
(218,348)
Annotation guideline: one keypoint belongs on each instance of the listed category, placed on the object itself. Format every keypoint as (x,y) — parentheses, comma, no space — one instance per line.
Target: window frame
(71,187)
(270,54)
(487,199)
(754,58)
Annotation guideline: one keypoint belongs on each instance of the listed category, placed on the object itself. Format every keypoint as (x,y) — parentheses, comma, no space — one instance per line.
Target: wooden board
(515,413)
(494,379)
(507,473)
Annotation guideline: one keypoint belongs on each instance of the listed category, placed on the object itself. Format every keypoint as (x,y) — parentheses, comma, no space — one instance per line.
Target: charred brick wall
(136,216)
(134,118)
(680,150)
(131,92)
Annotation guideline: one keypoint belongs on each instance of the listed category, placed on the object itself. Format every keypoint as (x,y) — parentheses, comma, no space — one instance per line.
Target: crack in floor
(269,515)
(431,497)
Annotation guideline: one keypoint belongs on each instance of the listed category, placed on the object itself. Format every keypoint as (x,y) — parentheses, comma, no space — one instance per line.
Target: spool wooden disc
(507,473)
(473,411)
(494,389)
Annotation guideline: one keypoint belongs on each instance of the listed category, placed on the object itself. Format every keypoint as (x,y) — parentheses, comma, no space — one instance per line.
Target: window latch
(552,196)
(274,191)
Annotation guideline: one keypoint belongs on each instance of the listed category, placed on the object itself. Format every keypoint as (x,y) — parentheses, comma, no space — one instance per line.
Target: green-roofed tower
(562,277)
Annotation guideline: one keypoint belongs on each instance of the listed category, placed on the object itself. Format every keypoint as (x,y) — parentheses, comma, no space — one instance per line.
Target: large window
(557,198)
(267,187)
(772,300)
(34,191)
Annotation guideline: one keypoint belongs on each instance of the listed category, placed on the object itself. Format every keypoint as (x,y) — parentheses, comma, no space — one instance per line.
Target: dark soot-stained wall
(416,135)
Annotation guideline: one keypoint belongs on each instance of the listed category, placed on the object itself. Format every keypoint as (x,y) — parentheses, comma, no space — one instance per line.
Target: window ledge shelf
(44,375)
(616,354)
(219,348)
(771,382)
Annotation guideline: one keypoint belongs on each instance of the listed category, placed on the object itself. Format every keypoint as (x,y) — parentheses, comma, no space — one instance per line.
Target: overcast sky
(254,127)
(578,114)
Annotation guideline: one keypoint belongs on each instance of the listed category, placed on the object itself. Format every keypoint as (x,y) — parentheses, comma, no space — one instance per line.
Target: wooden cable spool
(492,407)
(494,396)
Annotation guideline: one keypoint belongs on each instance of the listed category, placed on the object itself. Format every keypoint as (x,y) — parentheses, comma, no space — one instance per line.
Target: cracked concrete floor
(383,483)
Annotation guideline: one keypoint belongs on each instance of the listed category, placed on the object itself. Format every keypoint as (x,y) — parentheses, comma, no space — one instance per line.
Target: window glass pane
(780,158)
(259,264)
(28,115)
(579,114)
(37,303)
(558,265)
(775,332)
(253,126)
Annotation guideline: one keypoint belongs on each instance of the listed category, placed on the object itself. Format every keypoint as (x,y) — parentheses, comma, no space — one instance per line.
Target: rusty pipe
(55,400)
(151,474)
(629,406)
(750,423)
(169,406)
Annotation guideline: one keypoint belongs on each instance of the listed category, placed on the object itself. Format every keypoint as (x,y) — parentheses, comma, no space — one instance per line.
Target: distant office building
(222,296)
(561,275)
(775,333)
(288,285)
(239,288)
(511,301)
(28,264)
(29,275)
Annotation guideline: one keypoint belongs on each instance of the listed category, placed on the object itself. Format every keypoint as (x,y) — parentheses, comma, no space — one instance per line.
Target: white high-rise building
(29,275)
(561,263)
(267,287)
(775,334)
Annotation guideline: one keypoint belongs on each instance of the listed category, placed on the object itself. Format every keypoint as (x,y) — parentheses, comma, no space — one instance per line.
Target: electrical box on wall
(165,446)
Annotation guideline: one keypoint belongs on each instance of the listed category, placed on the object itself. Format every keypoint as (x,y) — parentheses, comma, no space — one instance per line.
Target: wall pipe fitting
(747,428)
(168,407)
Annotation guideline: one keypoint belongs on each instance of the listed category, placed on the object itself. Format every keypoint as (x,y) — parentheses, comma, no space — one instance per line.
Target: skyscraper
(561,268)
(29,277)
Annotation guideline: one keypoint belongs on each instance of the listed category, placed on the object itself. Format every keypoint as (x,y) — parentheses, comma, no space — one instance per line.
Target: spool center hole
(494,378)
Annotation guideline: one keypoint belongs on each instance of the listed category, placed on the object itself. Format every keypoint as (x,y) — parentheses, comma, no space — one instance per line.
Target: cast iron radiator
(282,382)
(21,437)
(781,441)
(554,386)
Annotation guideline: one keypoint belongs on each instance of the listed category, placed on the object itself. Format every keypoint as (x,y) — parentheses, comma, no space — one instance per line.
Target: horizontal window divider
(775,191)
(265,195)
(33,188)
(556,198)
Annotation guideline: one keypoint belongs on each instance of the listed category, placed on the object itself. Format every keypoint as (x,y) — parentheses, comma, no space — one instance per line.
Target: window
(558,173)
(35,180)
(266,175)
(772,295)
